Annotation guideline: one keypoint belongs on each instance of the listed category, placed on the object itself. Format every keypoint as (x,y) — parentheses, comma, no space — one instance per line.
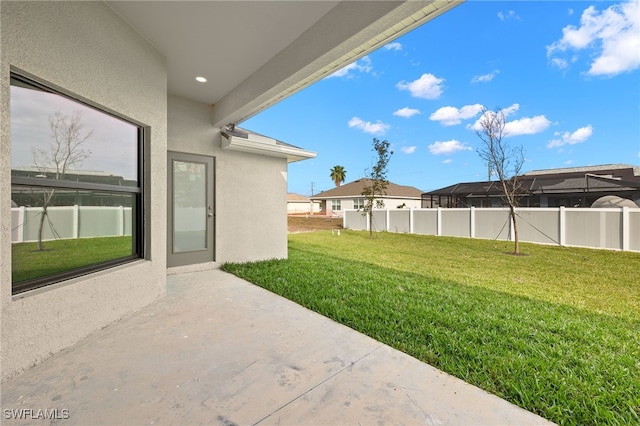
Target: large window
(76,187)
(358,203)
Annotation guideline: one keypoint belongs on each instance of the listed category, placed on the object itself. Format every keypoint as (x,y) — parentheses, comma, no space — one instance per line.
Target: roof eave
(261,146)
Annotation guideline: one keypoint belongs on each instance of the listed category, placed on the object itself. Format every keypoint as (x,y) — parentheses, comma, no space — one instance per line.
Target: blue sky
(566,75)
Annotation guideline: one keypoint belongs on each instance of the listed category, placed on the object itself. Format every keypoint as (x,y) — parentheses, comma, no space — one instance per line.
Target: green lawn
(556,332)
(64,255)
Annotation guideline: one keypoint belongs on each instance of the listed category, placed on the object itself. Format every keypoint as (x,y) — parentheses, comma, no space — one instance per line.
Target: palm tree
(338,174)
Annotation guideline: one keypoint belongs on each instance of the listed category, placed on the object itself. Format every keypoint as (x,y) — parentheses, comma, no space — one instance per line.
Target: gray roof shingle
(354,189)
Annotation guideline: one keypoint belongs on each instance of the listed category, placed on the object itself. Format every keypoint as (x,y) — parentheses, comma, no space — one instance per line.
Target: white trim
(261,145)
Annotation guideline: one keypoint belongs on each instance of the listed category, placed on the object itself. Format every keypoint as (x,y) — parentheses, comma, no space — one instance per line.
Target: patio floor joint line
(350,365)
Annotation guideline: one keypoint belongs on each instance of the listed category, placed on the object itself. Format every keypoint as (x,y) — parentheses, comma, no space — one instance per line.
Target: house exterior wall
(347,203)
(86,49)
(301,207)
(250,189)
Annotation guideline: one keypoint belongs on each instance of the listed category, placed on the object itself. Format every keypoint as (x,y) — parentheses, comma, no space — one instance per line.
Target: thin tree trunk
(516,246)
(42,217)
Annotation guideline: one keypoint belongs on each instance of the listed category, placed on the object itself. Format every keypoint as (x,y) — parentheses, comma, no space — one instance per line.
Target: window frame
(358,203)
(138,231)
(334,203)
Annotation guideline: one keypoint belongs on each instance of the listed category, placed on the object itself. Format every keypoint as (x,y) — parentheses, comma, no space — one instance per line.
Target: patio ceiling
(254,53)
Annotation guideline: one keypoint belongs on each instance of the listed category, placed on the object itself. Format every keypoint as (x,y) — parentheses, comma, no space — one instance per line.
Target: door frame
(196,256)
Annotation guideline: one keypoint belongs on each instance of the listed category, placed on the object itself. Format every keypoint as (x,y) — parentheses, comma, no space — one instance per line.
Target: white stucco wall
(389,203)
(250,189)
(298,207)
(86,49)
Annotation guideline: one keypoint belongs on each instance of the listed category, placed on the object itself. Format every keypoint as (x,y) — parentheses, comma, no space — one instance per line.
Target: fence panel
(354,220)
(634,230)
(61,223)
(589,228)
(612,229)
(617,229)
(539,225)
(379,220)
(492,224)
(456,222)
(98,222)
(399,221)
(425,221)
(16,225)
(56,225)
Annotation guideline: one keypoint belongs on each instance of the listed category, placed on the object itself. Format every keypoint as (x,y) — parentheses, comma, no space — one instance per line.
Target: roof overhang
(256,53)
(253,143)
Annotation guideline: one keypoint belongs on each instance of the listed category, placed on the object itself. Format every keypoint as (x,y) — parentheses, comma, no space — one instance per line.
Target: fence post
(472,222)
(387,220)
(76,221)
(367,227)
(562,227)
(511,235)
(439,222)
(625,229)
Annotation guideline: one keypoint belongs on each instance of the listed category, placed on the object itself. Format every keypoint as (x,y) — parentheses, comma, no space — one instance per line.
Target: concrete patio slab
(219,350)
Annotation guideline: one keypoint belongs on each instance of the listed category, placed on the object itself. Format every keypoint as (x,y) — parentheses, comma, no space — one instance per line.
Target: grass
(64,255)
(556,332)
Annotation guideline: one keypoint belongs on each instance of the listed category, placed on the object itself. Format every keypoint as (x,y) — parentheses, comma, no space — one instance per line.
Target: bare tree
(503,160)
(377,184)
(63,152)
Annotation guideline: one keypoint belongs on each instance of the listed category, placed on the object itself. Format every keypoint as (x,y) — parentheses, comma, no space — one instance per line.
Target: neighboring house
(349,196)
(201,191)
(299,204)
(568,187)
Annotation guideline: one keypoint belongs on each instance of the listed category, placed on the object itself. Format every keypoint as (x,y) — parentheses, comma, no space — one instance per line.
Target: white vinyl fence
(608,228)
(66,222)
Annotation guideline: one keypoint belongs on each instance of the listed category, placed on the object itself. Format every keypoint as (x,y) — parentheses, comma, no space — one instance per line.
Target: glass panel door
(189,206)
(190,236)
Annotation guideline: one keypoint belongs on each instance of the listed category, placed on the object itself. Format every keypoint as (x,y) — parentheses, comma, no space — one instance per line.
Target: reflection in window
(189,206)
(76,190)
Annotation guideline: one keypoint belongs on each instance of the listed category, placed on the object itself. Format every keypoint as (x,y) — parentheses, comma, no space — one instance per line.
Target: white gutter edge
(262,147)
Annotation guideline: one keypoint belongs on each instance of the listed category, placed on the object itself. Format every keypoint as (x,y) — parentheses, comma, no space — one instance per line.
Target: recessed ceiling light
(201,79)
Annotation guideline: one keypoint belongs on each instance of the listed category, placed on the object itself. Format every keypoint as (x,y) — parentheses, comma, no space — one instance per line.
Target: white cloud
(428,86)
(510,109)
(527,126)
(406,112)
(568,162)
(521,126)
(450,116)
(448,147)
(613,34)
(393,46)
(560,63)
(377,128)
(485,78)
(408,149)
(566,138)
(362,65)
(447,161)
(508,15)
